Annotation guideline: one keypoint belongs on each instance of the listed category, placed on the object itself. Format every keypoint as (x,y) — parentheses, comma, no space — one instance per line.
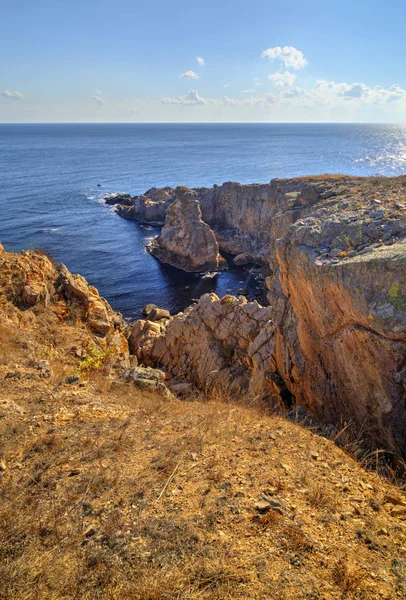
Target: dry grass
(118,495)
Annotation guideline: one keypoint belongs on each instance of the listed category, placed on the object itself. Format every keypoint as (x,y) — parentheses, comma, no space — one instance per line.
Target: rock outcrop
(334,340)
(36,293)
(150,207)
(224,342)
(186,241)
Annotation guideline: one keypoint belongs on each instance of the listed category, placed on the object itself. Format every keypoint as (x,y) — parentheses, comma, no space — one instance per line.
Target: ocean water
(50,197)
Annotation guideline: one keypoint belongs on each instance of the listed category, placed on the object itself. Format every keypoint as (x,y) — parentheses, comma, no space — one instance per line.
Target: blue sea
(53,178)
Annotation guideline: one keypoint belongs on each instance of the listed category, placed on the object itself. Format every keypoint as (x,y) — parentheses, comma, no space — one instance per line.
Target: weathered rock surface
(36,293)
(224,342)
(150,207)
(339,300)
(119,199)
(145,378)
(337,342)
(186,241)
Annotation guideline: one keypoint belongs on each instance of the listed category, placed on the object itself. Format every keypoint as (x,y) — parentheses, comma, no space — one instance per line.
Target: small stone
(262,506)
(90,531)
(272,501)
(3,465)
(382,531)
(74,472)
(71,379)
(315,456)
(398,511)
(43,365)
(390,499)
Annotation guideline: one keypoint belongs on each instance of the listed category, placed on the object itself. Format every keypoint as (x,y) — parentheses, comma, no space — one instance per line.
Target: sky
(211,61)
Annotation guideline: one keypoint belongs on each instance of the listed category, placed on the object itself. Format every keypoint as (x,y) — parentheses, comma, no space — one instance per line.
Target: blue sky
(70,60)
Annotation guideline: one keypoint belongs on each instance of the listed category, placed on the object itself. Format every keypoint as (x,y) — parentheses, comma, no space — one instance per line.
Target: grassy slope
(114,494)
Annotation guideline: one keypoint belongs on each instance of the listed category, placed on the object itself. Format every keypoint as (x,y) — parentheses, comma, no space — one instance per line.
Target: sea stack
(186,242)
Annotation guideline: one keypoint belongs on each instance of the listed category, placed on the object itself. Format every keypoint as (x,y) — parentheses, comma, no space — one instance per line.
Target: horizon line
(201,123)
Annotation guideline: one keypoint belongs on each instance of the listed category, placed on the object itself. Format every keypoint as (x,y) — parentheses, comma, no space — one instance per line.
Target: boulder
(147,379)
(157,314)
(148,308)
(186,242)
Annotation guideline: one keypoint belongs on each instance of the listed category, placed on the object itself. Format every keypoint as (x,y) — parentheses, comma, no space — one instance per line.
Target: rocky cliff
(240,216)
(334,336)
(186,241)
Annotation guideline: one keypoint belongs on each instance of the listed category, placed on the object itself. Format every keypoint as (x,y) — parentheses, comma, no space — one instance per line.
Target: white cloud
(226,85)
(285,79)
(97,96)
(290,56)
(14,95)
(190,98)
(356,93)
(200,60)
(320,99)
(190,75)
(257,81)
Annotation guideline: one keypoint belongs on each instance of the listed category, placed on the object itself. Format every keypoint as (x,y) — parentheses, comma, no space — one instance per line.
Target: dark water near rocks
(49,196)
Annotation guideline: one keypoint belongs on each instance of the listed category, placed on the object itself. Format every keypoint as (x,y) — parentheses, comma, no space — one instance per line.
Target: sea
(53,178)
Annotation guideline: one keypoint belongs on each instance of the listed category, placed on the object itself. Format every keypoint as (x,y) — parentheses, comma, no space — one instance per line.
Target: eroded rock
(215,342)
(186,241)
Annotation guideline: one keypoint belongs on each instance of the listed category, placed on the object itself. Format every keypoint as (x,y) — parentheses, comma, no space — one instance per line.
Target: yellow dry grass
(114,494)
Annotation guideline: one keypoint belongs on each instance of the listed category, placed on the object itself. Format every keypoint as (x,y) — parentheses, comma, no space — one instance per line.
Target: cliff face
(335,331)
(339,298)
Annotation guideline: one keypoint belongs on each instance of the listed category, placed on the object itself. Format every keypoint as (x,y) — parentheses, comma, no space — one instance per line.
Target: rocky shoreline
(333,338)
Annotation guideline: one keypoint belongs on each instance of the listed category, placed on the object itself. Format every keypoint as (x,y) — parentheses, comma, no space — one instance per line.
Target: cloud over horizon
(97,96)
(190,75)
(285,79)
(291,57)
(323,95)
(13,95)
(191,97)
